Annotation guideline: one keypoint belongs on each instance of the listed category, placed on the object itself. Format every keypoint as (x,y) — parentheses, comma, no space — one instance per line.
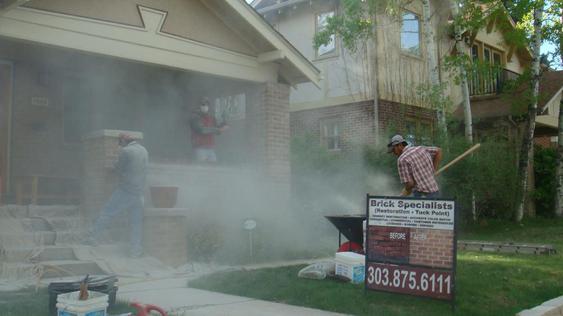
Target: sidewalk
(174,296)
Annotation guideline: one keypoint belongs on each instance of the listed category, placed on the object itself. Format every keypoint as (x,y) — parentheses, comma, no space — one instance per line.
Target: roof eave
(291,54)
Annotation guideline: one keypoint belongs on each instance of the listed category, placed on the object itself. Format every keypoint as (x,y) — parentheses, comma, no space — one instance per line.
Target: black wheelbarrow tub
(350,226)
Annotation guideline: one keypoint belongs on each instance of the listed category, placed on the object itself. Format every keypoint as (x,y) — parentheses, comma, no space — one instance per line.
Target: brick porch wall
(275,128)
(356,120)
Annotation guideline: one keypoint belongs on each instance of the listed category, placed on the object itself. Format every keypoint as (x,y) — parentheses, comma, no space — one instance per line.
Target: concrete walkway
(174,296)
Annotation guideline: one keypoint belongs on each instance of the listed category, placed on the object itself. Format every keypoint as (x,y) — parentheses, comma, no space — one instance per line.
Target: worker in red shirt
(204,127)
(417,165)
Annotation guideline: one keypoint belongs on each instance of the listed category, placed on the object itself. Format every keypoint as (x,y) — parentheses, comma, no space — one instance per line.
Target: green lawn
(487,284)
(36,303)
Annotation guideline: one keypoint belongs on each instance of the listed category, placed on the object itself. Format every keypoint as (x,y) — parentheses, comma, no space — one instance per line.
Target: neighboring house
(342,114)
(501,114)
(75,73)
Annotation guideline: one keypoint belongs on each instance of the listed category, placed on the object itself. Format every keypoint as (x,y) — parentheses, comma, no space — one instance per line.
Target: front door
(5,126)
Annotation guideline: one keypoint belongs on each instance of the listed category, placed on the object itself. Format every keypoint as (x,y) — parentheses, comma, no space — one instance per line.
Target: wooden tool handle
(467,152)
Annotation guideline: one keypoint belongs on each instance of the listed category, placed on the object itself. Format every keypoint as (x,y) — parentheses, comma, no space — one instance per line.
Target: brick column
(100,153)
(276,135)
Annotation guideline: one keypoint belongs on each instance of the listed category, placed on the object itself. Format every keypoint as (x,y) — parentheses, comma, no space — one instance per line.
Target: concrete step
(63,223)
(11,210)
(38,254)
(62,268)
(35,224)
(48,269)
(71,237)
(27,239)
(20,211)
(53,210)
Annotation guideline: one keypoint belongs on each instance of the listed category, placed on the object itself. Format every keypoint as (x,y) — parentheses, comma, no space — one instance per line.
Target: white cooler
(350,265)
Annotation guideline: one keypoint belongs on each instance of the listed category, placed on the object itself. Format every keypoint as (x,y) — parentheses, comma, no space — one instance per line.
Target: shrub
(545,163)
(322,180)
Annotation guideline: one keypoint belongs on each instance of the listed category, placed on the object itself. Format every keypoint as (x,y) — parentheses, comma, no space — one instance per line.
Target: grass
(487,284)
(30,302)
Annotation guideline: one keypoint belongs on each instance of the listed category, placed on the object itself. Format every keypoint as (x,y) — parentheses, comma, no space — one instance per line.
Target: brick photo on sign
(389,244)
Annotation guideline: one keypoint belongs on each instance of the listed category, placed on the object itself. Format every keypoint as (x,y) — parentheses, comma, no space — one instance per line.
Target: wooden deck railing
(489,81)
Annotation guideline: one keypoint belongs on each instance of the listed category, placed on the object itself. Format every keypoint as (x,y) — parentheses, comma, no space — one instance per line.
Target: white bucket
(69,305)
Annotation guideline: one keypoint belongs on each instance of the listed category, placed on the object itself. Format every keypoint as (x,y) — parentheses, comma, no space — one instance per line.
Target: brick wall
(431,247)
(38,146)
(165,236)
(273,147)
(356,121)
(392,115)
(545,142)
(276,130)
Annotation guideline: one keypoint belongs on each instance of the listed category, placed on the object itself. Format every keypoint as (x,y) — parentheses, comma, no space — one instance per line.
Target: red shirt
(205,137)
(416,165)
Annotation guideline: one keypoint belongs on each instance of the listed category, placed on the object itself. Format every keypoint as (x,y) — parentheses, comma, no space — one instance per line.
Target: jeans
(433,195)
(122,201)
(205,155)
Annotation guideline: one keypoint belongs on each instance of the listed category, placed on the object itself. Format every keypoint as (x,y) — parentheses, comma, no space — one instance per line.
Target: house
(342,114)
(503,112)
(73,74)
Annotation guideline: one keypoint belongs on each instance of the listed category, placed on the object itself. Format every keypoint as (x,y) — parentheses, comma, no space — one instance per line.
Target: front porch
(61,96)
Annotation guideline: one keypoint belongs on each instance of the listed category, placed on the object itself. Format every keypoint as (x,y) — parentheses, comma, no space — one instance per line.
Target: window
(330,134)
(410,34)
(487,74)
(230,108)
(321,23)
(475,52)
(418,132)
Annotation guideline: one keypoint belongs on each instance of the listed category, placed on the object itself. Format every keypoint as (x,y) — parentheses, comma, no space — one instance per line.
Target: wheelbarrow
(351,227)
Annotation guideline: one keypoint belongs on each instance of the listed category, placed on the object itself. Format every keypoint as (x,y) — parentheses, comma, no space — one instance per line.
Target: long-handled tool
(406,192)
(457,159)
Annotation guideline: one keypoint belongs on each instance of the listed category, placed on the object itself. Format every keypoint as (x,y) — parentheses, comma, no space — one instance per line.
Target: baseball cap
(126,137)
(395,140)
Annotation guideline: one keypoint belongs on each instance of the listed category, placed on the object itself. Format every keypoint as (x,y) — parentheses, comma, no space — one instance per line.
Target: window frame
(404,51)
(317,28)
(418,125)
(324,137)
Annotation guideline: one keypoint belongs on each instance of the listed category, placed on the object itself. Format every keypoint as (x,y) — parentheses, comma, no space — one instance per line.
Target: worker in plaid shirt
(417,165)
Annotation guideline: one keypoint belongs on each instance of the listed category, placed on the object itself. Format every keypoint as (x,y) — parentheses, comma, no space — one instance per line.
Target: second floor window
(321,23)
(410,34)
(330,134)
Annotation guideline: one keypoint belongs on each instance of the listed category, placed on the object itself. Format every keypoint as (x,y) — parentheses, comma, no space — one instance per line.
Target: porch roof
(269,57)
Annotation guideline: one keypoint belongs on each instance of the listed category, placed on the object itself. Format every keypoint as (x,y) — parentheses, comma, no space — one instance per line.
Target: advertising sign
(411,246)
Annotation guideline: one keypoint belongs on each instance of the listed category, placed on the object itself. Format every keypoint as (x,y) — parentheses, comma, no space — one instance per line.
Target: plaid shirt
(416,165)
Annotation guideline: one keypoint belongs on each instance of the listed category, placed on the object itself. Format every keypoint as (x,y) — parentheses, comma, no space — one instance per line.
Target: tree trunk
(559,170)
(468,121)
(372,55)
(432,60)
(527,143)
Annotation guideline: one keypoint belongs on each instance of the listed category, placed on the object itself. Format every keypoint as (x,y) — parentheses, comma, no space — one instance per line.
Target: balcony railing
(489,81)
